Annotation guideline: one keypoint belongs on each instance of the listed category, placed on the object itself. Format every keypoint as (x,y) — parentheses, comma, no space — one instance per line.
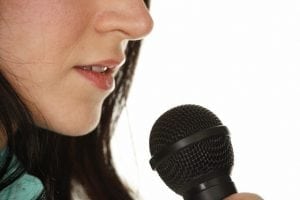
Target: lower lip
(104,81)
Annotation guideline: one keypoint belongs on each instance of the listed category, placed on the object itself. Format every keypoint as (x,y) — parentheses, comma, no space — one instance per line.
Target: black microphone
(192,152)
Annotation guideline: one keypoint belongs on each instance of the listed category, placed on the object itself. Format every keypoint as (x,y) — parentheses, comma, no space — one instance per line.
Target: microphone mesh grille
(178,123)
(199,161)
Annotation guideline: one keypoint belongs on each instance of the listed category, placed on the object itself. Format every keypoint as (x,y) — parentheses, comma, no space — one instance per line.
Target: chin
(73,131)
(78,128)
(73,128)
(78,132)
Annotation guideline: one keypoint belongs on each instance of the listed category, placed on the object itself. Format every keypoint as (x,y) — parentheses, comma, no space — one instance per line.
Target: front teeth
(99,69)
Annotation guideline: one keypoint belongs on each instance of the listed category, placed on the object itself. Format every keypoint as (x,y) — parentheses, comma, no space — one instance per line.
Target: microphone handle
(214,189)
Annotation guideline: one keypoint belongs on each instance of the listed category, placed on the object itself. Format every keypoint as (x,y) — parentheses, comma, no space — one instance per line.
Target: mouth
(101,74)
(106,66)
(96,69)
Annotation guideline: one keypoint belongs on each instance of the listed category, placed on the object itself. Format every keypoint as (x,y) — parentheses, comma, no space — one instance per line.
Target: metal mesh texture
(200,161)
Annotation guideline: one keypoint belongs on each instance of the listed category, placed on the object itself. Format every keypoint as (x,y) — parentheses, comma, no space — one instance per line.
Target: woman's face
(48,46)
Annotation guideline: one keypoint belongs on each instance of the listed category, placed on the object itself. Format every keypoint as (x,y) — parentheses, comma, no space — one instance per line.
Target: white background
(240,59)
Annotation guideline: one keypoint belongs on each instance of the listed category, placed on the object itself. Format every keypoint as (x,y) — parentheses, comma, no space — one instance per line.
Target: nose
(130,18)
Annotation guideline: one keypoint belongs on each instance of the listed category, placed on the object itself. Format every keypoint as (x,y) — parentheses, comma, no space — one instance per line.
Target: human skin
(42,41)
(244,196)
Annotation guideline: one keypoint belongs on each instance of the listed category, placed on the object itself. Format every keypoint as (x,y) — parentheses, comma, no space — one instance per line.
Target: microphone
(192,153)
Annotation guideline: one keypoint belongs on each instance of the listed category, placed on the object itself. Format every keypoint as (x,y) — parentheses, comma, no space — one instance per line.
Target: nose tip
(132,20)
(141,26)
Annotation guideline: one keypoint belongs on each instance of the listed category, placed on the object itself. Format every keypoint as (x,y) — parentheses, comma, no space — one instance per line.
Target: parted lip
(112,64)
(102,79)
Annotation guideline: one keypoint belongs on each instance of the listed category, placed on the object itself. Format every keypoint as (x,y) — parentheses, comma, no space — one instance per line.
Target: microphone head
(198,160)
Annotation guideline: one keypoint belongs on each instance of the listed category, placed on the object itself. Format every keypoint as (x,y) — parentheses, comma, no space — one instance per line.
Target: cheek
(37,38)
(40,30)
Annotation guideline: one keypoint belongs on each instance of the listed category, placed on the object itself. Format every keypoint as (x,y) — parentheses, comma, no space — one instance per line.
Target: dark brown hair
(57,159)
